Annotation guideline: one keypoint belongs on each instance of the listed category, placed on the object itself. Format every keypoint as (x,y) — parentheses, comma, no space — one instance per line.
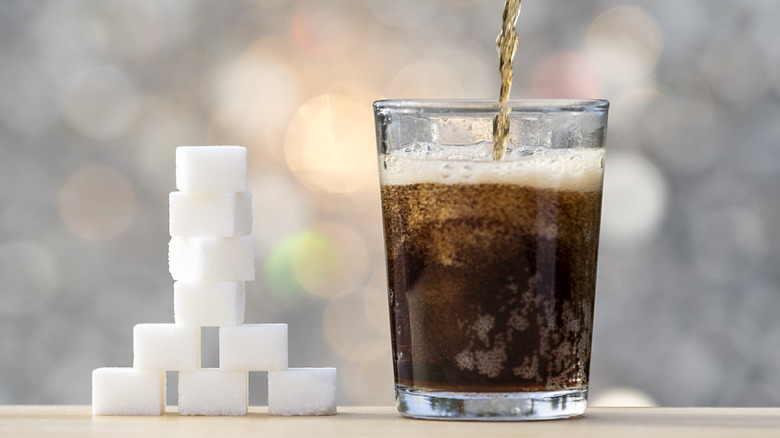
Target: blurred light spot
(67,35)
(624,43)
(565,75)
(329,260)
(735,70)
(370,382)
(426,80)
(355,204)
(313,260)
(119,23)
(97,202)
(279,275)
(257,95)
(326,29)
(377,62)
(100,103)
(162,125)
(29,275)
(772,66)
(635,199)
(130,293)
(280,206)
(349,333)
(403,13)
(727,241)
(329,145)
(268,4)
(757,298)
(475,70)
(641,116)
(692,359)
(27,357)
(65,38)
(27,102)
(332,260)
(68,377)
(674,124)
(624,397)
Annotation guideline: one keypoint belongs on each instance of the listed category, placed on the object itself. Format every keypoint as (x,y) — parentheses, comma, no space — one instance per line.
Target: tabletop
(67,421)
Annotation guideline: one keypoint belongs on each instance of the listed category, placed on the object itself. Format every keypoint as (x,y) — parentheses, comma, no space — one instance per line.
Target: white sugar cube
(166,347)
(253,347)
(212,259)
(128,391)
(211,168)
(210,214)
(302,391)
(209,304)
(213,392)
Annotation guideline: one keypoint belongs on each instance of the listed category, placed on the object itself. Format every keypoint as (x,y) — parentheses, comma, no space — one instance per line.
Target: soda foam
(567,169)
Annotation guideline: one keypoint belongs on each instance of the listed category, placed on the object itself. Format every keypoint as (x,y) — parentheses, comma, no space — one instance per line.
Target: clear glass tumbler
(491,264)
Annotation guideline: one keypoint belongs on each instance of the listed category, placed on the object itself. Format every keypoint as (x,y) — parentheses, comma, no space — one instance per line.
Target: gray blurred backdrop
(95,96)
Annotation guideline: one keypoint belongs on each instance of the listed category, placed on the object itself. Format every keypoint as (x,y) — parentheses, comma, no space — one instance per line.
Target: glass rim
(491,106)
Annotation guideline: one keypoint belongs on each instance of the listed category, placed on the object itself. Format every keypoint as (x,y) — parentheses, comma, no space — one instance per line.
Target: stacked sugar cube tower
(211,254)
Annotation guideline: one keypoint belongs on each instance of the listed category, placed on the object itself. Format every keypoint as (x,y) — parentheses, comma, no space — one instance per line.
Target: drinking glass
(491,264)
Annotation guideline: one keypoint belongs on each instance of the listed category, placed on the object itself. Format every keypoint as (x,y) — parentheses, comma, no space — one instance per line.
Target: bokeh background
(95,95)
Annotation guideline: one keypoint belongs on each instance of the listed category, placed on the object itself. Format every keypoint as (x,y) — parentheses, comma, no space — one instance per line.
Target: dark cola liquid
(491,286)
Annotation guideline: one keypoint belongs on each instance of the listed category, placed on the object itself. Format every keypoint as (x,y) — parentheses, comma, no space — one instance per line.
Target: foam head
(562,169)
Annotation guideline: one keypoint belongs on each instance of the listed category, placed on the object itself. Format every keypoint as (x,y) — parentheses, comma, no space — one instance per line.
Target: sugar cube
(211,391)
(302,391)
(166,347)
(209,304)
(253,347)
(212,259)
(211,168)
(210,214)
(128,391)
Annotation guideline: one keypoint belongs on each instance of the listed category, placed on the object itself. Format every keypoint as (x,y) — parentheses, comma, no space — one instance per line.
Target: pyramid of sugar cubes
(211,255)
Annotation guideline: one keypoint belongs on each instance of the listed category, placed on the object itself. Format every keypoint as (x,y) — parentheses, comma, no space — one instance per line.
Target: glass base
(490,406)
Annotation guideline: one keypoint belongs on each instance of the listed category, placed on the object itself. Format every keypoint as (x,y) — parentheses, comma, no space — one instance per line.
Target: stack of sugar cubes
(211,254)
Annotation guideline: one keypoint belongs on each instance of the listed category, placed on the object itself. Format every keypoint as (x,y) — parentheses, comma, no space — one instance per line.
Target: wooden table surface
(67,421)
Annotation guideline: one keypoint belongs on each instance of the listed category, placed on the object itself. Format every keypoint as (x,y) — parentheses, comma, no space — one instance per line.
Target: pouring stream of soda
(507,46)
